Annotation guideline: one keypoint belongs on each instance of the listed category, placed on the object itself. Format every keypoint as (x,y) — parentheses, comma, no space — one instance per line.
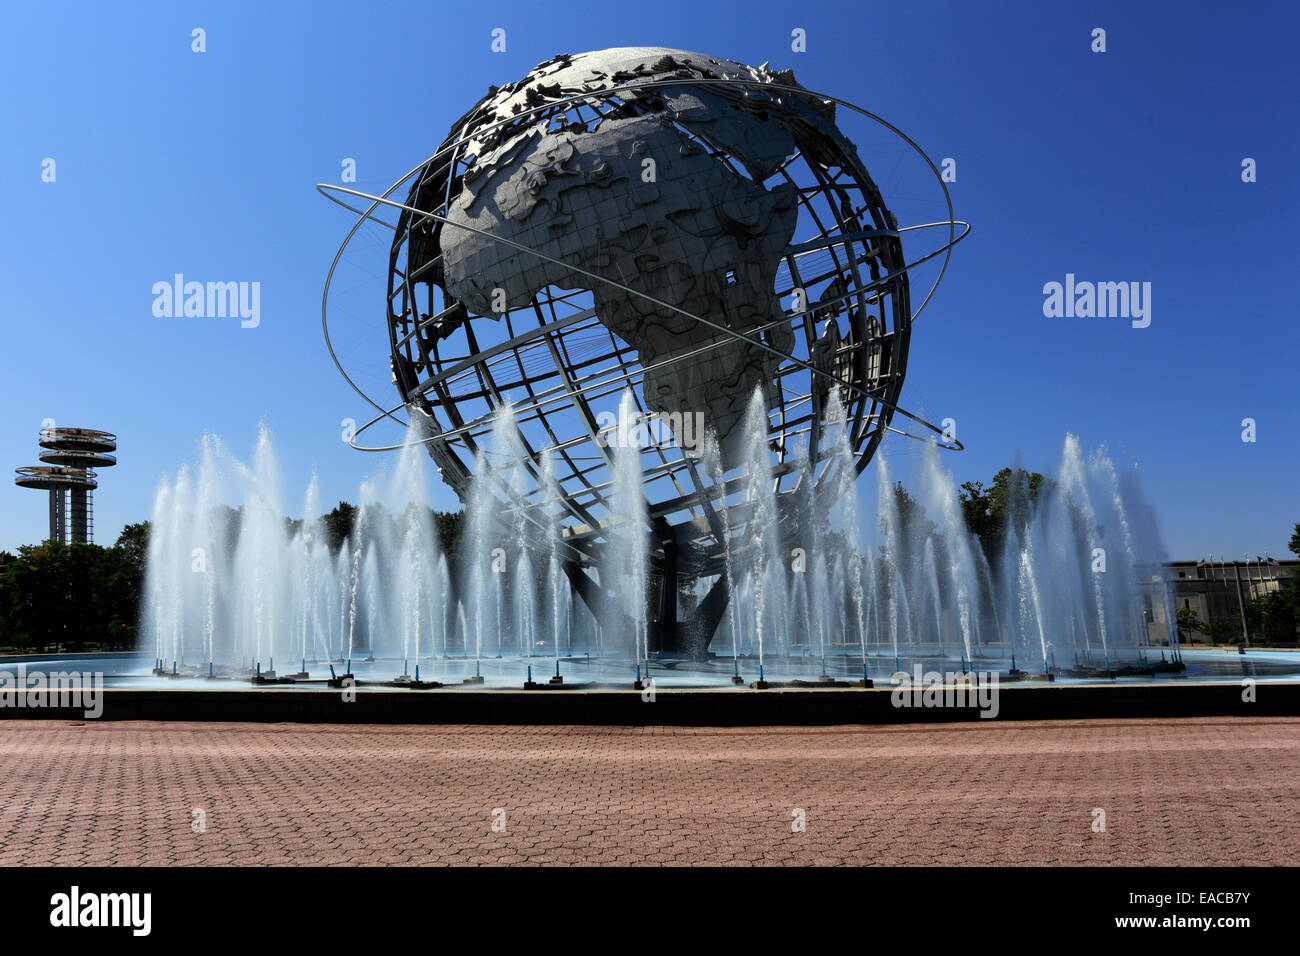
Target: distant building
(1215,589)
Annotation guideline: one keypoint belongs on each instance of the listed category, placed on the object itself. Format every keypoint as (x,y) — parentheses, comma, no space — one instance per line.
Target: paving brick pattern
(1190,792)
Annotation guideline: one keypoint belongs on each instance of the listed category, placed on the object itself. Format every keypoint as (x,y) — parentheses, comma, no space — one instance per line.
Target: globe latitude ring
(470,229)
(949,443)
(375,201)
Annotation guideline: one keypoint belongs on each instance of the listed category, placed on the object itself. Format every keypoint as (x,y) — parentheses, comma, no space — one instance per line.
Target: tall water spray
(844,491)
(628,549)
(1070,578)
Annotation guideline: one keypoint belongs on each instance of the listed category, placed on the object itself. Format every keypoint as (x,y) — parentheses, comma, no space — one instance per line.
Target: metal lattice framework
(841,292)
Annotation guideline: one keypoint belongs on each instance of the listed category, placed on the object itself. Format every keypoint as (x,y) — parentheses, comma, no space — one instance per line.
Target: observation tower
(70,456)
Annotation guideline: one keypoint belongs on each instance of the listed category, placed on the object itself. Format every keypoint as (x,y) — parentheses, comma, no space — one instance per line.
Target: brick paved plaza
(1194,792)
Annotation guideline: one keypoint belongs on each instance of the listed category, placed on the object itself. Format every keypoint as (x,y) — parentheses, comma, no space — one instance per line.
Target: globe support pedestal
(689,637)
(667,636)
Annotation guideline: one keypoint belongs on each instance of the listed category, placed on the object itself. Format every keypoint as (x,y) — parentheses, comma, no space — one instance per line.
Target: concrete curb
(725,707)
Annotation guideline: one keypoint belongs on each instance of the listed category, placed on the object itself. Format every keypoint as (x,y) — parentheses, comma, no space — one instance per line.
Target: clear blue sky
(1122,166)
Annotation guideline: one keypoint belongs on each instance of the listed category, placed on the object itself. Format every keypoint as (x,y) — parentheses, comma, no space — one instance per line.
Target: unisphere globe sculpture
(685,230)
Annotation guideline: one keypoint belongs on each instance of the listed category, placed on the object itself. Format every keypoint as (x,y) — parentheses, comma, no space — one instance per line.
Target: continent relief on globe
(693,233)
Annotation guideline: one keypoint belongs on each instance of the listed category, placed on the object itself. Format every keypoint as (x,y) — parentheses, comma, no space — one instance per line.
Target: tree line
(73,596)
(85,596)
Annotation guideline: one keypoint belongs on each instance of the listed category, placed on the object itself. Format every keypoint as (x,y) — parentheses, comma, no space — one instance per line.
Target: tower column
(58,530)
(77,510)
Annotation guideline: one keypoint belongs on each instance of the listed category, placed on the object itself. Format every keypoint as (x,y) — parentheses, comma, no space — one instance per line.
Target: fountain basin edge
(698,707)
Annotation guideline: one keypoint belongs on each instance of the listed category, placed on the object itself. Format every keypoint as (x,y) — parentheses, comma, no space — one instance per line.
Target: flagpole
(1209,589)
(1209,611)
(1223,578)
(1245,631)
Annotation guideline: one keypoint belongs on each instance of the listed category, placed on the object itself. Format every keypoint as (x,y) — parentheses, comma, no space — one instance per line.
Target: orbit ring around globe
(329,190)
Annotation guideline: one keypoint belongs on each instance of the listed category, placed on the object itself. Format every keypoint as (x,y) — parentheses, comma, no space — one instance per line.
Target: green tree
(51,595)
(990,511)
(1189,623)
(977,509)
(133,544)
(912,519)
(338,524)
(127,571)
(1290,592)
(74,595)
(1224,632)
(449,525)
(1272,618)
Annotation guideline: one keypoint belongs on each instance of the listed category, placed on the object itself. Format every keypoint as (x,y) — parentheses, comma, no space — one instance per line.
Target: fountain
(232,584)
